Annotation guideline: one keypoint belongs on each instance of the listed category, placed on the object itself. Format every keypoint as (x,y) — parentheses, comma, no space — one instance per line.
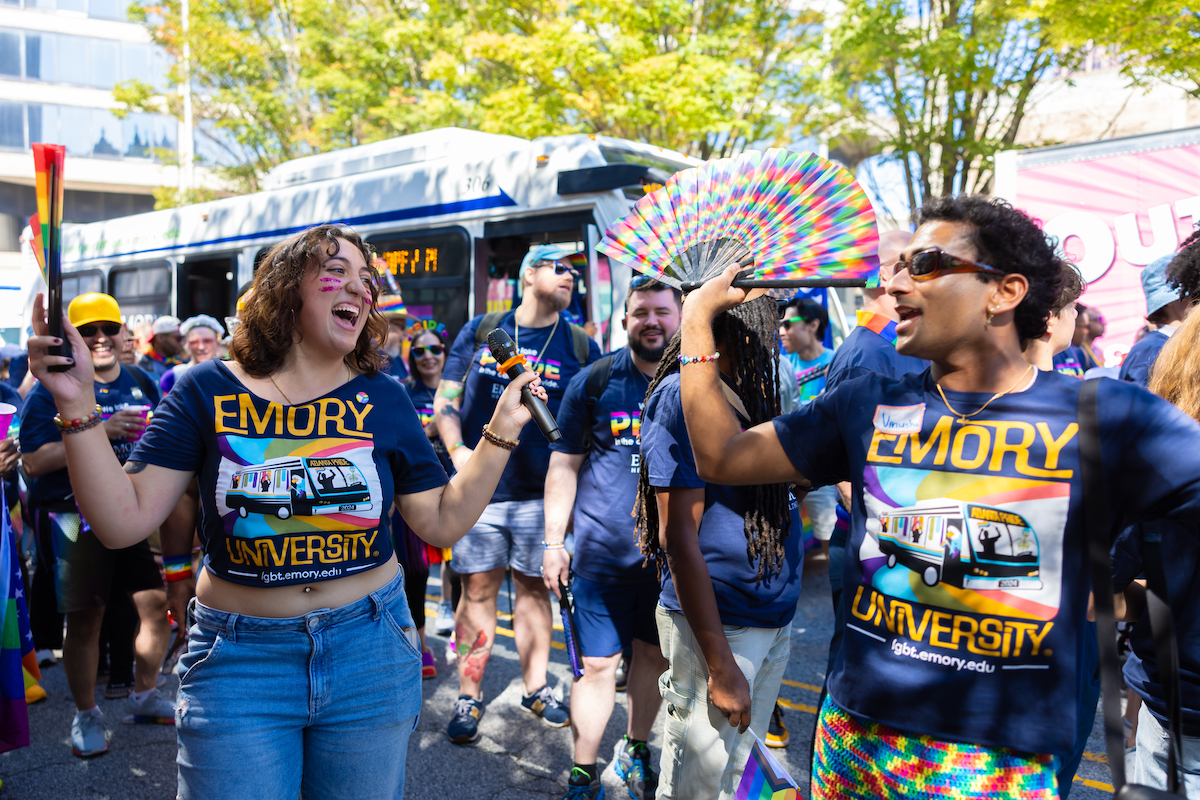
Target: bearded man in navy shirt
(594,469)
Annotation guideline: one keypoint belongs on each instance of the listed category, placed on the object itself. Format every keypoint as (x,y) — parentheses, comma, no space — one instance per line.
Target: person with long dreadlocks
(965,604)
(730,563)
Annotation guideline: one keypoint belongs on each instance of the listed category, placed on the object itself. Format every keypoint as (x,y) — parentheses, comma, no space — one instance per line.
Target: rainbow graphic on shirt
(879,324)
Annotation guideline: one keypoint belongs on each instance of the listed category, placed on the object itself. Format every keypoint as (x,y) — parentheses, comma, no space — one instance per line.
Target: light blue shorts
(319,705)
(508,534)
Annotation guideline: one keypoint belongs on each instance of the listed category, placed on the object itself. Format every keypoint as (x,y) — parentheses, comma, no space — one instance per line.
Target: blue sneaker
(584,791)
(544,704)
(464,720)
(632,765)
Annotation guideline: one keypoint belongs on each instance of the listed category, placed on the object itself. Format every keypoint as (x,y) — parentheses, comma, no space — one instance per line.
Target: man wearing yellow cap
(86,573)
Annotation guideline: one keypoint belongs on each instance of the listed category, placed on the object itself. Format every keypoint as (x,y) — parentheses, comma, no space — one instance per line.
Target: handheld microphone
(505,352)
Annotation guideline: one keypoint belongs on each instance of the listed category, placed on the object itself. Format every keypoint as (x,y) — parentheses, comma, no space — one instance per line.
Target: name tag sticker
(899,419)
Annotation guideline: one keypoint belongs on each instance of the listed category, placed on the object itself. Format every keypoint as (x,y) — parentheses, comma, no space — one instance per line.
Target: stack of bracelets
(499,441)
(78,425)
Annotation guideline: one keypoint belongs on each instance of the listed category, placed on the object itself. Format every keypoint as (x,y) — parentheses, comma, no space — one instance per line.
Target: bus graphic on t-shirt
(299,486)
(967,545)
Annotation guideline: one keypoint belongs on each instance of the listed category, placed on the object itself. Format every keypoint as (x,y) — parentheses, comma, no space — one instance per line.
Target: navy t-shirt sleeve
(415,465)
(462,353)
(666,449)
(174,439)
(574,421)
(1137,365)
(37,420)
(812,437)
(1145,436)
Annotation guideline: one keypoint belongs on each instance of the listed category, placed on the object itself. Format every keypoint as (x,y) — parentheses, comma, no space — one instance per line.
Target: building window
(12,125)
(89,132)
(81,60)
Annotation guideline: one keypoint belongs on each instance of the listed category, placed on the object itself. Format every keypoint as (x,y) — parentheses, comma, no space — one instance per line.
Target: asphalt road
(516,758)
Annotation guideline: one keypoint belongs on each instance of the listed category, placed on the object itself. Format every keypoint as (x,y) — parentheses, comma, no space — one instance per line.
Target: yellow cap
(241,303)
(93,307)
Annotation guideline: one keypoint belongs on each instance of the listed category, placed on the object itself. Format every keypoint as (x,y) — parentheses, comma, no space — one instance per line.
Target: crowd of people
(285,489)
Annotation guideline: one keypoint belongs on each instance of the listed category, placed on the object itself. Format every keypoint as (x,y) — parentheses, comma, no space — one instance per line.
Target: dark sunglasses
(561,268)
(929,264)
(436,349)
(91,329)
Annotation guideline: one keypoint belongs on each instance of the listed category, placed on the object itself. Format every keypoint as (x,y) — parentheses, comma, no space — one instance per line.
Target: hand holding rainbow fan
(793,219)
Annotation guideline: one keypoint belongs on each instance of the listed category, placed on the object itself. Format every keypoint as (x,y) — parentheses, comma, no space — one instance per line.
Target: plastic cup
(144,411)
(7,412)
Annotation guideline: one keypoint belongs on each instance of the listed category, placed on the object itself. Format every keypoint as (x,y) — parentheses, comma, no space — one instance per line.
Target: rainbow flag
(765,778)
(808,539)
(48,162)
(16,643)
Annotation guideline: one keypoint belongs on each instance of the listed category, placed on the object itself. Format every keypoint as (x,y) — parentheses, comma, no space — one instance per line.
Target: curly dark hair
(261,343)
(1009,240)
(1183,273)
(749,333)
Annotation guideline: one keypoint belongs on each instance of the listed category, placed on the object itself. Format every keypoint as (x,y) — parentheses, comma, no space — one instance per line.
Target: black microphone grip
(503,349)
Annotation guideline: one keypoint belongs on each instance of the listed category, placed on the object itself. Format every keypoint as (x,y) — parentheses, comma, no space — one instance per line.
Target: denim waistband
(371,605)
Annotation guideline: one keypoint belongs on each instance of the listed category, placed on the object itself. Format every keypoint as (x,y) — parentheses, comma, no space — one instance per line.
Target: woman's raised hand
(72,390)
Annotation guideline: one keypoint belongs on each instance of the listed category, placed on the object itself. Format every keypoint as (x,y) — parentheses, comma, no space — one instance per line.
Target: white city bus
(453,211)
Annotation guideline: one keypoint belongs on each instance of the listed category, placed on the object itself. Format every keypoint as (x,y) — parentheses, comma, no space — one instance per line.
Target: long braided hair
(749,333)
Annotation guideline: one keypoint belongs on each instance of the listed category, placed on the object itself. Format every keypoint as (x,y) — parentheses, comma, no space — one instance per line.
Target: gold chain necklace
(962,418)
(289,400)
(550,338)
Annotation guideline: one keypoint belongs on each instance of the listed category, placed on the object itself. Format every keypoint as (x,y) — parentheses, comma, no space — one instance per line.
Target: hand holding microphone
(509,362)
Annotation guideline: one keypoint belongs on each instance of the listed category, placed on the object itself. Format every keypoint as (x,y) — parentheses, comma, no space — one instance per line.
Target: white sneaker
(45,658)
(88,736)
(154,709)
(445,619)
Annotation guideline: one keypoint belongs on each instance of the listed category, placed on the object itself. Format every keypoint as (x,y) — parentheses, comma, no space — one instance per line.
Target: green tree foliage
(278,79)
(942,84)
(1158,40)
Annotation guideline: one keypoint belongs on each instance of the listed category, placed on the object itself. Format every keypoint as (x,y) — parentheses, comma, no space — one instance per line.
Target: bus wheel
(930,576)
(284,512)
(242,512)
(891,561)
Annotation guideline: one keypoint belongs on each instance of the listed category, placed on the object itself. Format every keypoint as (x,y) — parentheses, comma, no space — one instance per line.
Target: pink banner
(1116,215)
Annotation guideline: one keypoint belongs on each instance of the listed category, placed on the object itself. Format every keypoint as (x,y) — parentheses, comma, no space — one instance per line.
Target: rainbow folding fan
(792,219)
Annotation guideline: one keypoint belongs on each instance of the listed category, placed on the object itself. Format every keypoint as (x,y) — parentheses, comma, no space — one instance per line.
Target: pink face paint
(334,284)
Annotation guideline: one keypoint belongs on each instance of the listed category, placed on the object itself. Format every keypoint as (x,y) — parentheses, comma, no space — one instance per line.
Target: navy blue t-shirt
(422,400)
(38,428)
(11,396)
(722,536)
(292,494)
(965,574)
(605,547)
(525,476)
(866,352)
(1070,362)
(1181,562)
(1137,365)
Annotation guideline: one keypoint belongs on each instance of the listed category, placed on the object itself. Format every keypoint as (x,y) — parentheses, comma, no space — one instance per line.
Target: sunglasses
(436,349)
(561,268)
(91,329)
(929,264)
(787,323)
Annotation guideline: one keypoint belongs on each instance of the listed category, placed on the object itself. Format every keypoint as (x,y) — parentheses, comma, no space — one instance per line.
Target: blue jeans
(1150,762)
(320,705)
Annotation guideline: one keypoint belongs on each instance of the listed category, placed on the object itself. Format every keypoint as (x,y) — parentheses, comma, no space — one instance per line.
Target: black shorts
(86,572)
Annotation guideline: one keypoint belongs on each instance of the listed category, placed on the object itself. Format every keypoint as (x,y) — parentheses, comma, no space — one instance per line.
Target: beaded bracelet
(698,359)
(78,425)
(177,568)
(499,441)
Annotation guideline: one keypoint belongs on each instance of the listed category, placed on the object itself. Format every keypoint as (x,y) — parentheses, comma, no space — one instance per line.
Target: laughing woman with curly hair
(302,674)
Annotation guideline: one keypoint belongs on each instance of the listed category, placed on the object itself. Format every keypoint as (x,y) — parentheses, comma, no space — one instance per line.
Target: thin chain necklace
(289,400)
(550,338)
(962,418)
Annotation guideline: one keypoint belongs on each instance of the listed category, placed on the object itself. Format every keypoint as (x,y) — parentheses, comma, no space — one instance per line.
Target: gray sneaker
(154,710)
(88,737)
(445,619)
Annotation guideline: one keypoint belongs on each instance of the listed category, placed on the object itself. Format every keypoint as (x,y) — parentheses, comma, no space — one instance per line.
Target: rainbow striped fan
(792,219)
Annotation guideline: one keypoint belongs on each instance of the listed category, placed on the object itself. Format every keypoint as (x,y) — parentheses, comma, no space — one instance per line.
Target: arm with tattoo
(446,406)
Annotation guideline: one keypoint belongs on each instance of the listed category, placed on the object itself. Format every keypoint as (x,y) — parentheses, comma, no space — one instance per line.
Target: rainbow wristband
(178,568)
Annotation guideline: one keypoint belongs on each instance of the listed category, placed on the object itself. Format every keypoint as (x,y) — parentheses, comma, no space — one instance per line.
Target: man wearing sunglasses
(87,574)
(511,530)
(967,514)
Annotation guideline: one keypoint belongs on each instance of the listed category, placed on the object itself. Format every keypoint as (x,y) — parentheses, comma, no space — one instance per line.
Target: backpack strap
(580,344)
(597,379)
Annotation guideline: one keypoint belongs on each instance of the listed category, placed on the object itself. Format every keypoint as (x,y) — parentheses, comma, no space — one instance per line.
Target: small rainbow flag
(808,538)
(765,778)
(16,642)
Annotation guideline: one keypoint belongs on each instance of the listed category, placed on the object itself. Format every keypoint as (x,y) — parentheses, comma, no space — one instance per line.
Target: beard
(556,300)
(650,354)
